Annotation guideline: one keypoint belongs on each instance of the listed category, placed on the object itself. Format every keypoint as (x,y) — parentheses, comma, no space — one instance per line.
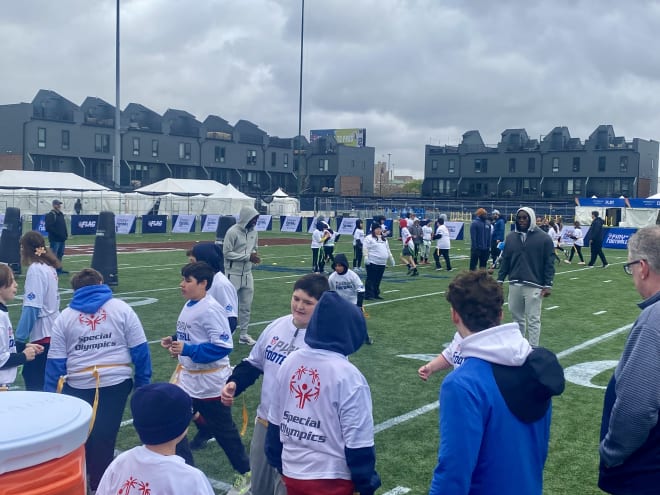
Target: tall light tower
(298,151)
(116,159)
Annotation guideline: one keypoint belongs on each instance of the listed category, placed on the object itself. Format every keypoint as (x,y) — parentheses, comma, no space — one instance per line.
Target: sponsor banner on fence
(644,203)
(290,224)
(125,224)
(264,222)
(566,233)
(39,224)
(210,223)
(183,224)
(83,224)
(347,226)
(603,202)
(617,238)
(154,224)
(456,230)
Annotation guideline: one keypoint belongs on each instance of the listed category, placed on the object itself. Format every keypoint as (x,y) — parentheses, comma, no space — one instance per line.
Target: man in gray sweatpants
(240,253)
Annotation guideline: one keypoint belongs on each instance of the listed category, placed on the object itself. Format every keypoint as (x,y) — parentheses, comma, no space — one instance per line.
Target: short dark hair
(477,298)
(314,284)
(6,276)
(200,271)
(85,277)
(595,213)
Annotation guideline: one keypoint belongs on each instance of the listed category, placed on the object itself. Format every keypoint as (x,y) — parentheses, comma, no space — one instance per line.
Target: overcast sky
(412,72)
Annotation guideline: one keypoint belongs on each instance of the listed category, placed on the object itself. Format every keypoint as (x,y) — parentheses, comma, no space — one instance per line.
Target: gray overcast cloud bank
(412,72)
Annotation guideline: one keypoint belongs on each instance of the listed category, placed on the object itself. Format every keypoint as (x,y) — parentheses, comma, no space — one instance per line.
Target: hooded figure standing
(321,429)
(240,253)
(528,261)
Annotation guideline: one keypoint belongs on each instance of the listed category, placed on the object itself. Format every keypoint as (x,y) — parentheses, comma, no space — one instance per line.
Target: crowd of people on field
(314,428)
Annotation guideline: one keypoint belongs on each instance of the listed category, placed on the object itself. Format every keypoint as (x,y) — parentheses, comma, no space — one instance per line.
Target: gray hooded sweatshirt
(240,243)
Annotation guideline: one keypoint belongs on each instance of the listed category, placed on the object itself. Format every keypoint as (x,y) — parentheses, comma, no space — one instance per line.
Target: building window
(219,154)
(352,163)
(66,136)
(602,161)
(136,146)
(574,187)
(184,151)
(480,166)
(623,164)
(41,137)
(434,164)
(452,166)
(273,159)
(555,165)
(512,165)
(251,157)
(323,164)
(154,147)
(102,143)
(531,165)
(285,160)
(576,164)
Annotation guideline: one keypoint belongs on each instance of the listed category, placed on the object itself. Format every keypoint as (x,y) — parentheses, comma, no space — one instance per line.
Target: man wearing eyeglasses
(528,261)
(630,431)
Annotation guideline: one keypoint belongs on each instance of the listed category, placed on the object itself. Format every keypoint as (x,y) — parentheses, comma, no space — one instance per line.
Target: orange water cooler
(42,448)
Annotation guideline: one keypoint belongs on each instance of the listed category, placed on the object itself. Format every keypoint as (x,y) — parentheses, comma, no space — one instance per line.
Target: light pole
(116,159)
(301,173)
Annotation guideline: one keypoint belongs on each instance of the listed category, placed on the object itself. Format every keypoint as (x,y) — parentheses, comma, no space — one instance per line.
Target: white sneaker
(246,339)
(568,262)
(242,484)
(581,263)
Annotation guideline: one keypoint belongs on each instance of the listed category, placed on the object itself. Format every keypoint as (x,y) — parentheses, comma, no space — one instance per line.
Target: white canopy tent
(283,204)
(182,186)
(27,179)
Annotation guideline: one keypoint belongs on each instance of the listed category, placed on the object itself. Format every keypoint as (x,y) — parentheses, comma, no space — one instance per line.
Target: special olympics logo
(92,320)
(305,385)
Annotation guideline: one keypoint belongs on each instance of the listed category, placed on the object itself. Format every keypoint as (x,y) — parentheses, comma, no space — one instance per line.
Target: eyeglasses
(626,267)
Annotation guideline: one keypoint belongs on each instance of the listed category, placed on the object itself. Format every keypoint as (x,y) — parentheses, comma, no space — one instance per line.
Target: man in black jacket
(57,233)
(596,235)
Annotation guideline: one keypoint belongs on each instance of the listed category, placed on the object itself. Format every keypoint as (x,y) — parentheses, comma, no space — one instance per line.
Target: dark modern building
(556,167)
(54,134)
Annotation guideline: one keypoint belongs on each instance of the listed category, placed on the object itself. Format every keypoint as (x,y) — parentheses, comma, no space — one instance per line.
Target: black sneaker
(378,297)
(414,273)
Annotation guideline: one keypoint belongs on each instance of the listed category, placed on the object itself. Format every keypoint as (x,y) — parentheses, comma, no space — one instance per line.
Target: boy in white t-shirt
(202,345)
(321,429)
(154,465)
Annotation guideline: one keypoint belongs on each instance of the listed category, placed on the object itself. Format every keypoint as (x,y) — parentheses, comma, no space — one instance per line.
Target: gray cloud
(412,72)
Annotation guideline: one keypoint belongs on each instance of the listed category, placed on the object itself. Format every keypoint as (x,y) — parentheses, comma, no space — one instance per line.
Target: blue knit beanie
(161,412)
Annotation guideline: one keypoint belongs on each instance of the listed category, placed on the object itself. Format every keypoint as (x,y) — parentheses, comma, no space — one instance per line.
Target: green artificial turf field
(585,322)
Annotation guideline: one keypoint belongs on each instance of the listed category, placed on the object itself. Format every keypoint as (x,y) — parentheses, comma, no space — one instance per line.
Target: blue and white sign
(154,224)
(210,223)
(39,224)
(183,224)
(125,224)
(456,230)
(617,238)
(347,226)
(290,224)
(264,222)
(83,224)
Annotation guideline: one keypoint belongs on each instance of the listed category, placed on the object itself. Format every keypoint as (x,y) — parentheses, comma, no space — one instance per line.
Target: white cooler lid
(39,427)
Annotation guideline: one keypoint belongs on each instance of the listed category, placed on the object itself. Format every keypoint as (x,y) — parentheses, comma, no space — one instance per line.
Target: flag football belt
(94,370)
(174,379)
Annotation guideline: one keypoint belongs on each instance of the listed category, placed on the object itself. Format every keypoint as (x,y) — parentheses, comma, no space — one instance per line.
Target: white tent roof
(279,193)
(230,192)
(655,196)
(16,179)
(183,186)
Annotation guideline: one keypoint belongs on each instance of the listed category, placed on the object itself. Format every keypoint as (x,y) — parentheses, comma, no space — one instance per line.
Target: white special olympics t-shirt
(358,235)
(141,470)
(276,342)
(41,292)
(7,347)
(317,235)
(443,242)
(322,405)
(347,285)
(224,292)
(204,322)
(100,339)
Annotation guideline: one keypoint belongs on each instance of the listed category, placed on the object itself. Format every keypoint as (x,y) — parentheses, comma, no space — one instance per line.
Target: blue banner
(39,224)
(644,203)
(83,224)
(183,224)
(154,224)
(602,202)
(617,238)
